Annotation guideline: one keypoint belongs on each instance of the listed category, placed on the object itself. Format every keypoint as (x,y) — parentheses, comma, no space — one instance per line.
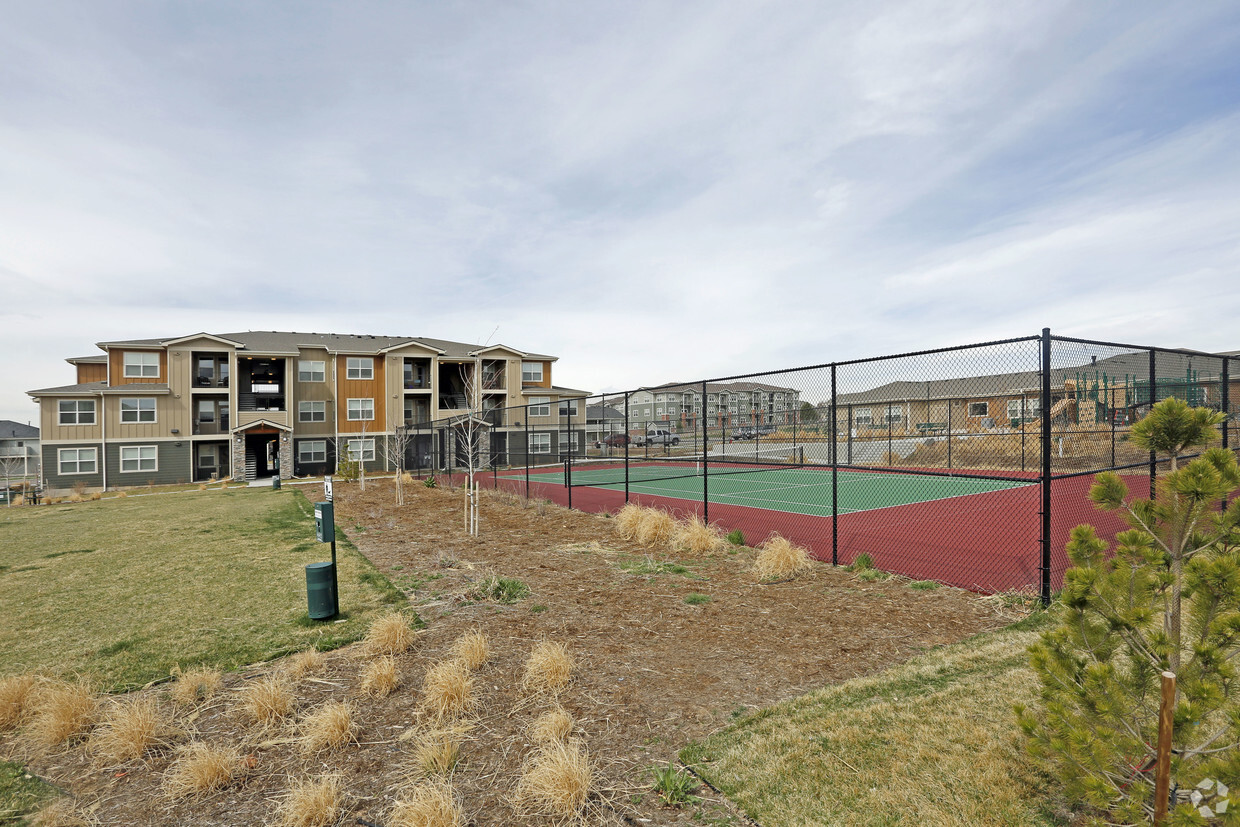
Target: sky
(651,191)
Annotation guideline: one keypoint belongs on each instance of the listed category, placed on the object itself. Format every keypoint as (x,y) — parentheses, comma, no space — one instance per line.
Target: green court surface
(801,490)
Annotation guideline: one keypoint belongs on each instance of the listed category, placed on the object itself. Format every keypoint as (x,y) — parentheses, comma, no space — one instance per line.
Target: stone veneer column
(286,455)
(236,448)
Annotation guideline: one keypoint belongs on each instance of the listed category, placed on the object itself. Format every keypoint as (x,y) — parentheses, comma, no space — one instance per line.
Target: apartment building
(208,406)
(726,405)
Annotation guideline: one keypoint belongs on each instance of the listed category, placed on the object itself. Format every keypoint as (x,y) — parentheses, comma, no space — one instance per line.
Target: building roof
(86,388)
(718,387)
(288,342)
(16,430)
(603,412)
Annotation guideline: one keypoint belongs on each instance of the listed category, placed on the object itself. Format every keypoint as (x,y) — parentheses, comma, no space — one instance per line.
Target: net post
(705,461)
(835,473)
(1045,573)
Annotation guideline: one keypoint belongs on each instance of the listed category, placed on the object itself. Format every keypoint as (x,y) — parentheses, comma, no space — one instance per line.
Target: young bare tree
(12,467)
(395,449)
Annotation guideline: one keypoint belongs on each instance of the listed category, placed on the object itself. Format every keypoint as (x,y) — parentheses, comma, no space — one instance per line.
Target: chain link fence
(966,465)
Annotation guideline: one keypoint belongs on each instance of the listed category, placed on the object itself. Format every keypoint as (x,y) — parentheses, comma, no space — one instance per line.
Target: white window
(139,458)
(862,416)
(540,443)
(309,370)
(206,410)
(658,411)
(360,367)
(568,407)
(540,406)
(1033,406)
(566,439)
(361,449)
(316,411)
(139,364)
(1013,406)
(531,371)
(360,409)
(77,411)
(137,409)
(894,413)
(312,450)
(77,460)
(979,409)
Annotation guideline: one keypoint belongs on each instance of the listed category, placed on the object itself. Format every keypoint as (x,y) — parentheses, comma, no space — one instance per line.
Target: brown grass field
(649,674)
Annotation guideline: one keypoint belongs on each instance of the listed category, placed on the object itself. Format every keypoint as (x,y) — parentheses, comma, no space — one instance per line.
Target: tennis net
(586,471)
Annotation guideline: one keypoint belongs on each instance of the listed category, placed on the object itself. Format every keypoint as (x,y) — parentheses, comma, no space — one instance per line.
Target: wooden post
(1162,777)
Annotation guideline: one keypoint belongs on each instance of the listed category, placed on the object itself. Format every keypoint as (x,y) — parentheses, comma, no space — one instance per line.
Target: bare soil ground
(653,672)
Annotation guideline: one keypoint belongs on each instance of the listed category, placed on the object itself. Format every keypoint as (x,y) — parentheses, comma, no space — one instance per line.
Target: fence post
(627,439)
(949,435)
(1046,467)
(1225,399)
(1153,399)
(705,460)
(527,452)
(835,474)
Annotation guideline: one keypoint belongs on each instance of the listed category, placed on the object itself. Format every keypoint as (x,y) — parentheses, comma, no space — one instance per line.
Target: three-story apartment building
(205,406)
(726,404)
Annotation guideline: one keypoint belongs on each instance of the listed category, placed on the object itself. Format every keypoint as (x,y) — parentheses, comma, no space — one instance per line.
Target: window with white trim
(566,439)
(361,450)
(206,410)
(361,409)
(77,460)
(359,367)
(311,370)
(531,371)
(568,407)
(76,411)
(137,409)
(312,450)
(861,416)
(313,412)
(135,458)
(979,409)
(540,406)
(1013,406)
(1033,406)
(540,443)
(894,413)
(141,364)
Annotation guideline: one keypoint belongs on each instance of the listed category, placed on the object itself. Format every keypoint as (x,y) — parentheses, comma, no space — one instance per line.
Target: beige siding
(52,431)
(161,427)
(244,418)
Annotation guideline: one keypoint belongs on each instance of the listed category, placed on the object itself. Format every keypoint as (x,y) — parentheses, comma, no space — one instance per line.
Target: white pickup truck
(656,436)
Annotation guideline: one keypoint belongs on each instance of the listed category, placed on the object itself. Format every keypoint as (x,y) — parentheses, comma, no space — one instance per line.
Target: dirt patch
(654,670)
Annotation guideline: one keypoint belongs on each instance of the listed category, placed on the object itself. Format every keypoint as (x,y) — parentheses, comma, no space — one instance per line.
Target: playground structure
(1101,398)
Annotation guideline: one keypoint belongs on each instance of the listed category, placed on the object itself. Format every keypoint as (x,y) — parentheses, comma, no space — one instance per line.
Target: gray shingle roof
(287,342)
(16,430)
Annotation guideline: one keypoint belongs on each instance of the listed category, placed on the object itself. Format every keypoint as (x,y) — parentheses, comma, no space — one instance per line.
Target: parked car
(657,436)
(614,440)
(744,432)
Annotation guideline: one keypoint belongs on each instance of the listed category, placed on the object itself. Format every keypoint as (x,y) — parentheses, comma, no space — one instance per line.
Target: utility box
(324,522)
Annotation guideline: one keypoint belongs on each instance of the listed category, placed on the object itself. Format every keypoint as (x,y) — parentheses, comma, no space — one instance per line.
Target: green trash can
(321,590)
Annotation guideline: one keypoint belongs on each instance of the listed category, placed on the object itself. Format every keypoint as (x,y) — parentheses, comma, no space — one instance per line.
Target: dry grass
(447,689)
(471,649)
(390,634)
(304,663)
(778,559)
(132,728)
(196,685)
(328,727)
(437,751)
(557,782)
(380,678)
(201,768)
(62,712)
(312,802)
(267,699)
(429,804)
(549,667)
(698,537)
(627,520)
(656,527)
(15,699)
(63,812)
(554,725)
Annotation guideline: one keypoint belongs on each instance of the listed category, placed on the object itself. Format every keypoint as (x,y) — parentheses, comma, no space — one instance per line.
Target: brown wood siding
(546,380)
(116,362)
(92,372)
(347,389)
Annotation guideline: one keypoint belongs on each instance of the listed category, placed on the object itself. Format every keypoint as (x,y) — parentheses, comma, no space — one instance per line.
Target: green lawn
(932,741)
(121,590)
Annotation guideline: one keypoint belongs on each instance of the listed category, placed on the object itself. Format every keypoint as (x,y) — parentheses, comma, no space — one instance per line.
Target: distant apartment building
(207,406)
(19,450)
(725,405)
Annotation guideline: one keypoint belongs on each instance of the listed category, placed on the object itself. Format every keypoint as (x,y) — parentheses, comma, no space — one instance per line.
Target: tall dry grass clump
(16,694)
(62,712)
(380,678)
(312,802)
(437,751)
(200,768)
(268,699)
(429,804)
(63,812)
(553,726)
(470,649)
(557,782)
(698,537)
(390,634)
(778,559)
(549,667)
(131,729)
(328,727)
(195,685)
(627,519)
(447,689)
(656,527)
(304,663)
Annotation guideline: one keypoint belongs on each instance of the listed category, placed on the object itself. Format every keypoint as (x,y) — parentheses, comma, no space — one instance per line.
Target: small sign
(327,488)
(324,522)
